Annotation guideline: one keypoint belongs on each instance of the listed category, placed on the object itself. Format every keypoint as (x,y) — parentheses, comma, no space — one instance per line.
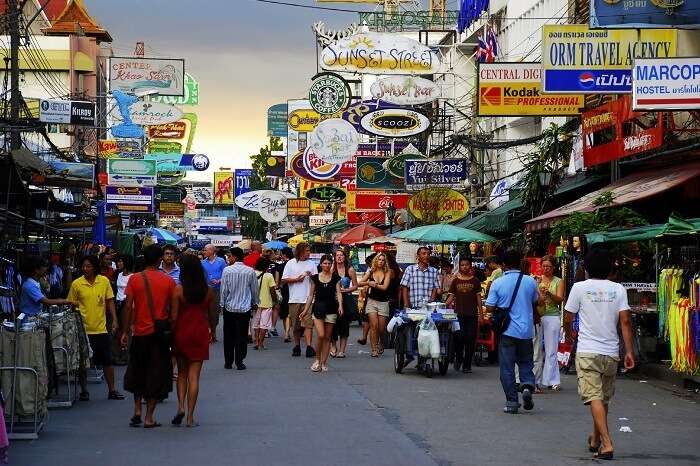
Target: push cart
(485,342)
(405,337)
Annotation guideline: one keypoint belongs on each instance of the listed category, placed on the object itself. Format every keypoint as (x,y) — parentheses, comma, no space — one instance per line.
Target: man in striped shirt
(239,294)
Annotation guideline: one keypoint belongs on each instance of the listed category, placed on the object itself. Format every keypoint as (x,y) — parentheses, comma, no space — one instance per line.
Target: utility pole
(15,95)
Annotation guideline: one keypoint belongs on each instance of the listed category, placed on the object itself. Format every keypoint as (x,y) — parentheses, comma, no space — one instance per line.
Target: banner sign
(405,90)
(277,121)
(298,207)
(380,201)
(203,195)
(372,217)
(223,188)
(191,96)
(379,53)
(444,173)
(395,123)
(584,61)
(171,209)
(610,132)
(515,89)
(440,205)
(126,199)
(131,74)
(644,14)
(371,174)
(131,172)
(69,112)
(666,84)
(242,184)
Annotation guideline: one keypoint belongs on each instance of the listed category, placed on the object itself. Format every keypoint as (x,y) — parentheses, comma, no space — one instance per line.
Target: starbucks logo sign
(329,94)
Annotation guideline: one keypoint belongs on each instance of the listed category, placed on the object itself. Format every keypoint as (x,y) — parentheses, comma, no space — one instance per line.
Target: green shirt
(550,308)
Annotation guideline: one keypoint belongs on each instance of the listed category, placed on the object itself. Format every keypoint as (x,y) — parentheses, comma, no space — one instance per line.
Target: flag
(470,11)
(481,50)
(491,45)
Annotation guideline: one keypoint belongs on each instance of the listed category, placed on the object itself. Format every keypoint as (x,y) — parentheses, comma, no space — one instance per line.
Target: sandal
(591,448)
(340,355)
(316,366)
(194,424)
(375,354)
(152,426)
(362,341)
(333,353)
(607,455)
(115,395)
(135,421)
(556,388)
(177,420)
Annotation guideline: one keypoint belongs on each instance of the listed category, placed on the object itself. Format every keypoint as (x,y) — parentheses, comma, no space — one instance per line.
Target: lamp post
(391,212)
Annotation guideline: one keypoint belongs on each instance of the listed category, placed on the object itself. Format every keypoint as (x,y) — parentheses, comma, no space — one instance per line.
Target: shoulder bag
(501,316)
(162,327)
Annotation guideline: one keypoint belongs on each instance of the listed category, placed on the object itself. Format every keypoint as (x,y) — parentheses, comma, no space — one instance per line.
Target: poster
(223,188)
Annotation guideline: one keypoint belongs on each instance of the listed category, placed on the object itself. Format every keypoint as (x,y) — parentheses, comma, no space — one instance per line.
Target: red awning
(628,189)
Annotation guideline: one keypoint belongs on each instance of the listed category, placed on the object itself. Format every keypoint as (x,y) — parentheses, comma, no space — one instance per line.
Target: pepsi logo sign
(586,80)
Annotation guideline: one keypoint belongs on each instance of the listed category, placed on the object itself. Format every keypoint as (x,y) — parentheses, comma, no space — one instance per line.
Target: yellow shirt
(92,300)
(268,282)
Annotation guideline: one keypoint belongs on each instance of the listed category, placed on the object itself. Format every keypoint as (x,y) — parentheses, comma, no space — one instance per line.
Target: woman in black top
(327,303)
(341,330)
(377,278)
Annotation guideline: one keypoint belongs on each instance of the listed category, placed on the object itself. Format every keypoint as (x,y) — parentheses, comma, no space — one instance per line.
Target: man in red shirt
(149,373)
(255,252)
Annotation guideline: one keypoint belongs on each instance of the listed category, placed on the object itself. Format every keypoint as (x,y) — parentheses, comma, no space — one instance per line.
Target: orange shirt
(162,288)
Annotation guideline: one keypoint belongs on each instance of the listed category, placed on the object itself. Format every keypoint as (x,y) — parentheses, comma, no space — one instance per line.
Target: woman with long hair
(348,284)
(378,279)
(327,302)
(193,304)
(549,307)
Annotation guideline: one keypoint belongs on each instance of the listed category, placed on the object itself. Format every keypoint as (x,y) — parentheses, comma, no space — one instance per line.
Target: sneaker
(316,366)
(310,352)
(297,351)
(324,368)
(510,410)
(528,404)
(287,340)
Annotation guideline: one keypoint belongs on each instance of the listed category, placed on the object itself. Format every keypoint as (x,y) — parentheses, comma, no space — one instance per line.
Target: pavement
(277,412)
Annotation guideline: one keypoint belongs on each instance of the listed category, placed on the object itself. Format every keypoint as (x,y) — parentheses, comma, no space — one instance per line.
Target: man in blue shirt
(213,267)
(515,346)
(31,297)
(168,266)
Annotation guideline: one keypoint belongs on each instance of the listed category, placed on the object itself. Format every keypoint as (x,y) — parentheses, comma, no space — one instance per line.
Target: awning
(675,226)
(629,189)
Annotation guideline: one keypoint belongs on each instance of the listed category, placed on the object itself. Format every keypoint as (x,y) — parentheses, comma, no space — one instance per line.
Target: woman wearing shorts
(262,319)
(326,301)
(378,279)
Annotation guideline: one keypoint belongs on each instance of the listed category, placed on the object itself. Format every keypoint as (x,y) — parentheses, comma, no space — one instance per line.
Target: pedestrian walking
(125,268)
(262,319)
(600,305)
(378,279)
(214,268)
(551,290)
(348,284)
(465,294)
(297,275)
(239,297)
(192,305)
(169,264)
(516,292)
(362,319)
(325,304)
(286,255)
(94,297)
(420,283)
(148,315)
(255,253)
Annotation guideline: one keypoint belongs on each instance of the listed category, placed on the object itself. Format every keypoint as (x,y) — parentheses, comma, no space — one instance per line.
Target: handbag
(162,327)
(501,316)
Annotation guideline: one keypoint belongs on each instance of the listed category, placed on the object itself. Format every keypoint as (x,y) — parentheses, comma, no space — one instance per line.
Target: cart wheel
(443,365)
(429,369)
(399,360)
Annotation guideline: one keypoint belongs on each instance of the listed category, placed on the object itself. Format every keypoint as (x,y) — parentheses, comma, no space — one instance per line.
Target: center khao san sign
(379,53)
(405,90)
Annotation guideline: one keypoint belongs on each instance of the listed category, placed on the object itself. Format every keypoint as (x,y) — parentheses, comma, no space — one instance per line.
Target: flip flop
(152,426)
(194,424)
(333,354)
(608,455)
(340,355)
(135,421)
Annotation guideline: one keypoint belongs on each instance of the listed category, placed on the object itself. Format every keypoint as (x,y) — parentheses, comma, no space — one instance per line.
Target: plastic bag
(396,320)
(428,339)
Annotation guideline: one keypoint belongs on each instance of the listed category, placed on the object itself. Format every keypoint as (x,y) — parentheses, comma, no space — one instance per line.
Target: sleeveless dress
(192,331)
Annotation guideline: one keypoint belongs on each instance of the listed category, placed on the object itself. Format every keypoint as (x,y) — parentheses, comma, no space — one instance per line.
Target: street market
(403,231)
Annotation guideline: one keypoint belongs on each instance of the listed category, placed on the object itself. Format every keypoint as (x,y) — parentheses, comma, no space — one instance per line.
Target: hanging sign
(164,75)
(107,148)
(275,165)
(174,130)
(153,113)
(69,112)
(191,96)
(444,173)
(317,169)
(395,165)
(251,199)
(126,199)
(303,120)
(277,121)
(171,178)
(380,201)
(242,184)
(405,90)
(666,84)
(644,14)
(203,195)
(131,172)
(441,205)
(223,188)
(334,141)
(298,207)
(371,217)
(395,123)
(371,174)
(171,209)
(272,206)
(320,220)
(325,194)
(329,93)
(379,53)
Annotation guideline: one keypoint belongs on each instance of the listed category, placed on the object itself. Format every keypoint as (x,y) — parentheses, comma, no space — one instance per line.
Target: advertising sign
(252,200)
(174,130)
(223,187)
(203,195)
(644,14)
(380,201)
(445,173)
(275,165)
(304,120)
(584,61)
(611,132)
(129,148)
(329,93)
(666,84)
(126,199)
(65,174)
(107,148)
(358,217)
(325,194)
(242,184)
(405,90)
(69,112)
(334,141)
(152,113)
(173,137)
(371,174)
(131,172)
(379,53)
(277,121)
(131,74)
(395,123)
(191,96)
(395,165)
(441,205)
(170,194)
(171,209)
(515,89)
(272,206)
(298,207)
(320,220)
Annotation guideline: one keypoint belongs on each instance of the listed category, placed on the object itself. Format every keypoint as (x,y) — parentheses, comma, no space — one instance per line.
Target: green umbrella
(443,233)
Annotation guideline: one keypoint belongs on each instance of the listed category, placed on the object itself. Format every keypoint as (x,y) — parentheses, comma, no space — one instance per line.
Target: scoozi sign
(329,94)
(379,53)
(447,173)
(325,194)
(438,204)
(395,123)
(334,141)
(405,90)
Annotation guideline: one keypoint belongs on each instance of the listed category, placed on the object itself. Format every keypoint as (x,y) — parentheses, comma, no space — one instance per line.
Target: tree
(254,226)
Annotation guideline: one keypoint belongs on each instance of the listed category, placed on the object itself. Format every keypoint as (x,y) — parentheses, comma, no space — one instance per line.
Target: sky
(245,54)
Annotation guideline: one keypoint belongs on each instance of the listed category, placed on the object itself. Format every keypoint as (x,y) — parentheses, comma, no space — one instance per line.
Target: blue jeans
(512,351)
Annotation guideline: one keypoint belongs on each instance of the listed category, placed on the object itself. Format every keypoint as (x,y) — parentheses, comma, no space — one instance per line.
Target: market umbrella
(379,240)
(678,226)
(358,233)
(245,244)
(99,228)
(294,240)
(164,236)
(276,244)
(443,233)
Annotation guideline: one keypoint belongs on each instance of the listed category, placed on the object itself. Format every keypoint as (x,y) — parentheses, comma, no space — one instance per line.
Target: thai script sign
(69,112)
(395,123)
(132,74)
(644,13)
(580,60)
(514,89)
(223,188)
(131,172)
(334,141)
(441,205)
(405,90)
(666,84)
(129,199)
(445,173)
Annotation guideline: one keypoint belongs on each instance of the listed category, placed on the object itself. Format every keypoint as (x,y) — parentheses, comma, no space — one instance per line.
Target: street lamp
(391,212)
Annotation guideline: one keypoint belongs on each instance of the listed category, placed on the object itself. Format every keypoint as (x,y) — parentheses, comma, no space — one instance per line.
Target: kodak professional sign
(515,89)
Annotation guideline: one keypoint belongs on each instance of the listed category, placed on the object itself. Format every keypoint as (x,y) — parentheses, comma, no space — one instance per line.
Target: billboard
(515,89)
(130,199)
(299,207)
(65,174)
(122,172)
(223,188)
(176,136)
(380,201)
(69,112)
(358,217)
(576,59)
(166,76)
(666,84)
(242,184)
(277,121)
(644,14)
(444,173)
(372,174)
(191,96)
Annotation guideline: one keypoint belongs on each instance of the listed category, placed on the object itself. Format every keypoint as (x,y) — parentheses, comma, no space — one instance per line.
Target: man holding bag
(515,295)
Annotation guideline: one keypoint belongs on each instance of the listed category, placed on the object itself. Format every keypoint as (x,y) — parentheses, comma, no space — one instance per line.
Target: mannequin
(473,249)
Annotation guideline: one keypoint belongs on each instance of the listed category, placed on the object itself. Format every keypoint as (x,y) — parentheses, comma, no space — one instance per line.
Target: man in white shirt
(297,275)
(600,304)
